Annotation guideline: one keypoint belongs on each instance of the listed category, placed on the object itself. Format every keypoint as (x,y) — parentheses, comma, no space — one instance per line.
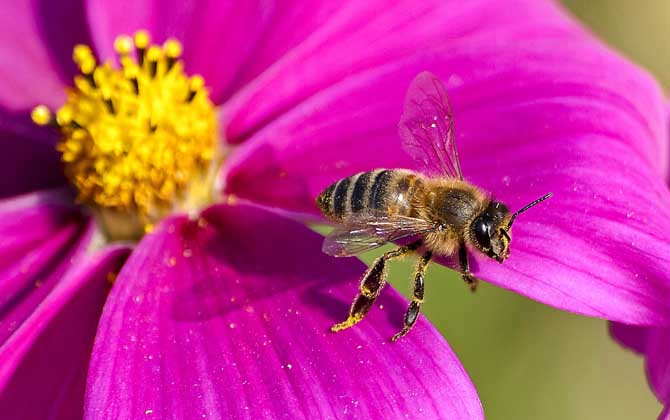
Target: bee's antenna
(526,207)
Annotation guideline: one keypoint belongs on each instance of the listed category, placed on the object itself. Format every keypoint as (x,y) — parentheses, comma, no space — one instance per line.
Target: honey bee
(442,212)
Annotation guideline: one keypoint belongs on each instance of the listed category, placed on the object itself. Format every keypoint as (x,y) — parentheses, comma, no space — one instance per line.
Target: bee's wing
(367,231)
(427,128)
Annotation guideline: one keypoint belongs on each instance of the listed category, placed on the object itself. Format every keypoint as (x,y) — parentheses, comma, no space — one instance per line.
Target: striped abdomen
(389,191)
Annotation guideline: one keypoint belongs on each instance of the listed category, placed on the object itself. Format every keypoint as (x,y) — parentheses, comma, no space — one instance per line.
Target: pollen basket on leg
(138,138)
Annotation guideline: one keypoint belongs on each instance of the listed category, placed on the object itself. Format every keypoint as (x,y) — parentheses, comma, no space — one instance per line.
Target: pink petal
(29,160)
(355,38)
(41,236)
(653,343)
(43,365)
(633,337)
(228,317)
(218,36)
(538,107)
(658,363)
(36,43)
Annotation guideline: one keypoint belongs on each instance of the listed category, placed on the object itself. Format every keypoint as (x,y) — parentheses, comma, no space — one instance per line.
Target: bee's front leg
(466,275)
(412,313)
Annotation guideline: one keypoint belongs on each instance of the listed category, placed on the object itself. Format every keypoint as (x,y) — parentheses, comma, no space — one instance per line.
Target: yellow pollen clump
(137,138)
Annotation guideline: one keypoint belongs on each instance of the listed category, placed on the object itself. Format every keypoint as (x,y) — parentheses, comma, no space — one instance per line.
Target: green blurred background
(530,361)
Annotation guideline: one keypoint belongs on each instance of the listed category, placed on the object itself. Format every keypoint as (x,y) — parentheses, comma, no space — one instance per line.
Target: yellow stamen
(142,39)
(123,45)
(83,57)
(41,115)
(196,83)
(172,48)
(82,53)
(138,141)
(154,53)
(64,116)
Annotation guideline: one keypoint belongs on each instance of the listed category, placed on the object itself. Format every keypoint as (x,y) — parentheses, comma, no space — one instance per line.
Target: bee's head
(491,230)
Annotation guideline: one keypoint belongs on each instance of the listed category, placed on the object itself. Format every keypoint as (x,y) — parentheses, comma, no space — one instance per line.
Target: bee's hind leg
(466,275)
(371,286)
(412,313)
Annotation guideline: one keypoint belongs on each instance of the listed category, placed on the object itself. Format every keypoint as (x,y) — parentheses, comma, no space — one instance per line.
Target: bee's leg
(412,313)
(466,275)
(371,285)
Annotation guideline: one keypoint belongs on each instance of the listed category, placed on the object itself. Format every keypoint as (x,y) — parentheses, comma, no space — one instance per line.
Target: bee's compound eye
(482,231)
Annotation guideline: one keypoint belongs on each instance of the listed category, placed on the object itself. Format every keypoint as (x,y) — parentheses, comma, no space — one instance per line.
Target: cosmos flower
(223,310)
(225,314)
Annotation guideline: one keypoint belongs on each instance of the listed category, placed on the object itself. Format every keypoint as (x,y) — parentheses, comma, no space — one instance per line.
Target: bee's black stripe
(350,192)
(340,197)
(378,190)
(360,188)
(325,200)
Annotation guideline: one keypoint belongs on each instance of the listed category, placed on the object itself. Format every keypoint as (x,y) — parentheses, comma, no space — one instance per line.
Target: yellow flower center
(138,142)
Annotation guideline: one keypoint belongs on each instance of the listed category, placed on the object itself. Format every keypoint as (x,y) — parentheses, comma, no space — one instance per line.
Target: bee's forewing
(427,129)
(367,231)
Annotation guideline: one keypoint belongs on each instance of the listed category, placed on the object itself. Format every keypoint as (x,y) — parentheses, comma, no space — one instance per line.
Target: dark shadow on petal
(289,185)
(334,307)
(211,296)
(29,160)
(62,25)
(222,293)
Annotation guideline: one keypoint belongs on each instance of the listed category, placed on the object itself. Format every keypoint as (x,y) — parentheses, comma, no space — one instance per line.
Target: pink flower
(227,315)
(224,316)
